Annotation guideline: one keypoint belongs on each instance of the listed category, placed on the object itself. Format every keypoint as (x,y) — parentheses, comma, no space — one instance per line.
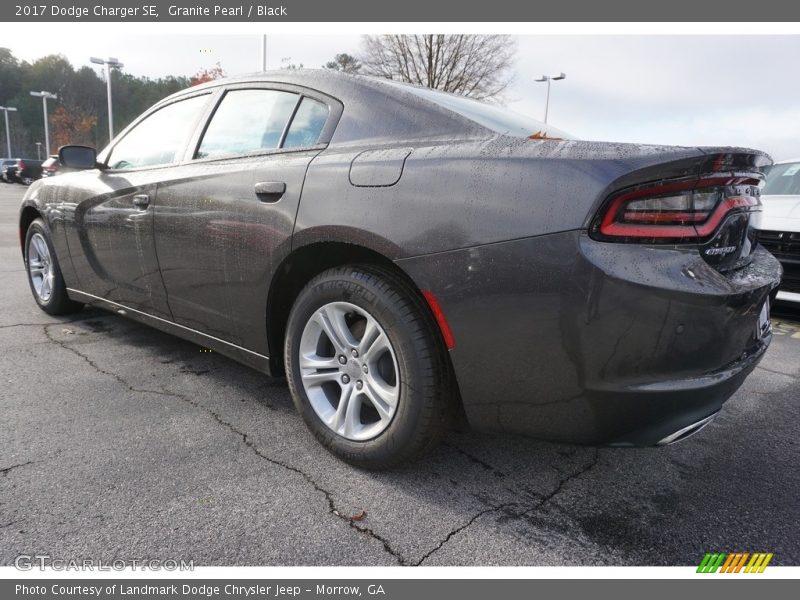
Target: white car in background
(780,224)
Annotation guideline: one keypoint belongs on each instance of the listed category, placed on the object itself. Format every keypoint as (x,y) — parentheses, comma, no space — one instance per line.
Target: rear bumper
(565,338)
(659,414)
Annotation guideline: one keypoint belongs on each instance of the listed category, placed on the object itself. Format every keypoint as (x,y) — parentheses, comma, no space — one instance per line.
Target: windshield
(496,118)
(782,180)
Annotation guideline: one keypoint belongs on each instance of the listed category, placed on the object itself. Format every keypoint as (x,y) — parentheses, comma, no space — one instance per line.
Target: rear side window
(496,118)
(247,121)
(160,138)
(307,124)
(783,180)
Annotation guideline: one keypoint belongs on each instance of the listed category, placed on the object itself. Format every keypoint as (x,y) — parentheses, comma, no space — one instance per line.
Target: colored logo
(734,563)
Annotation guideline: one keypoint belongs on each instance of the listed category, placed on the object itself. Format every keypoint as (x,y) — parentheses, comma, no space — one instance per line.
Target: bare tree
(346,63)
(288,65)
(477,66)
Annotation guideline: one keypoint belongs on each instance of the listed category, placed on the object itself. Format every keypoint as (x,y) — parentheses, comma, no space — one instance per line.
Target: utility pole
(7,109)
(111,63)
(548,79)
(45,96)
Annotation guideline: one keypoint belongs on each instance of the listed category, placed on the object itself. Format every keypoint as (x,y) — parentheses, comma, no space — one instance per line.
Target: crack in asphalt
(494,470)
(51,324)
(458,530)
(563,482)
(332,509)
(777,372)
(524,513)
(6,470)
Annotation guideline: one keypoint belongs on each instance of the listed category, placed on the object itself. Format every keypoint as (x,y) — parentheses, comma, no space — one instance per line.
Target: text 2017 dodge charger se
(407,256)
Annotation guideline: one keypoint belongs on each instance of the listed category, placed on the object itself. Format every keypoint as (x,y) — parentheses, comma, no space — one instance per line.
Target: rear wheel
(44,272)
(366,368)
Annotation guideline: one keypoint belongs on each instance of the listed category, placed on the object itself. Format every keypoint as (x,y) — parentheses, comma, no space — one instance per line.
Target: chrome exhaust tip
(687,431)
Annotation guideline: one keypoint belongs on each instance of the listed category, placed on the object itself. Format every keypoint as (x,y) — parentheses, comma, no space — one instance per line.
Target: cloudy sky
(694,90)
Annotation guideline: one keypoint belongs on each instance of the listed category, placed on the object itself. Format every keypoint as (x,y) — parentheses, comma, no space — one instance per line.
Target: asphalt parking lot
(120,442)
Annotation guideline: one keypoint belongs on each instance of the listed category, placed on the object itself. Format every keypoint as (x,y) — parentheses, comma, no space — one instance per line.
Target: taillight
(674,211)
(21,165)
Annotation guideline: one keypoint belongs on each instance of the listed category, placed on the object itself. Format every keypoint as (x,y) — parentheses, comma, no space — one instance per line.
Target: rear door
(113,212)
(224,223)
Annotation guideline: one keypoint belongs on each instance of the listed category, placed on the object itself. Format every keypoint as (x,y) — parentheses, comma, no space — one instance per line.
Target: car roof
(788,161)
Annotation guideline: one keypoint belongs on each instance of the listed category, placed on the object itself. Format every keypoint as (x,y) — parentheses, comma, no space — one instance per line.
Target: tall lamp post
(110,63)
(548,79)
(264,52)
(7,109)
(39,151)
(45,96)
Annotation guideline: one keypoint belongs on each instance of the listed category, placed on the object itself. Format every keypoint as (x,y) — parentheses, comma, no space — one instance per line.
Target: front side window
(160,138)
(247,121)
(307,124)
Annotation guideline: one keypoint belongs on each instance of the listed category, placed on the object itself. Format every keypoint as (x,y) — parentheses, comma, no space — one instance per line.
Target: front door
(113,218)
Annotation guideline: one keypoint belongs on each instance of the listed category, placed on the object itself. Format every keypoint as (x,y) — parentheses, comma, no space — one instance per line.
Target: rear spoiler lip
(739,155)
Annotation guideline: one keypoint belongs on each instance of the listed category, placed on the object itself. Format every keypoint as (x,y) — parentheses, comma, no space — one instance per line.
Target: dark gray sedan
(410,259)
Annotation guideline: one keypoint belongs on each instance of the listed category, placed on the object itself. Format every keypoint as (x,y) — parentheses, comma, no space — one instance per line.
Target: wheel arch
(308,261)
(300,267)
(28,215)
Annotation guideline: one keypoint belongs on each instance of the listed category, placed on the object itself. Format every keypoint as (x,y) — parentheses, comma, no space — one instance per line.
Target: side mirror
(77,157)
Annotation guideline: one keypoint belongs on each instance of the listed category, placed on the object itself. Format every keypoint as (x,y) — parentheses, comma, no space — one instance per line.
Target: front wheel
(366,368)
(44,272)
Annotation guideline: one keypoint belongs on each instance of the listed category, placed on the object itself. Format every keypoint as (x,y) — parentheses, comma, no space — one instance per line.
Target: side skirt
(247,357)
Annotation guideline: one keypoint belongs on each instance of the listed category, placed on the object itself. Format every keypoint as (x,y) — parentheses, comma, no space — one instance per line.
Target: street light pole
(264,52)
(39,151)
(548,79)
(45,96)
(7,109)
(111,63)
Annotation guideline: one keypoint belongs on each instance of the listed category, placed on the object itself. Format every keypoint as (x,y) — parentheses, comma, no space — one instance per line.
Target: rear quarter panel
(459,194)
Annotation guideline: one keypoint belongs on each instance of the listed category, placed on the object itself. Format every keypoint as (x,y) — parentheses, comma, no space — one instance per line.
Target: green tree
(80,110)
(346,63)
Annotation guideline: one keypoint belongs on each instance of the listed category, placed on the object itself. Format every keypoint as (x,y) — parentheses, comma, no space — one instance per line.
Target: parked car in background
(6,165)
(408,257)
(51,167)
(27,171)
(780,224)
(22,170)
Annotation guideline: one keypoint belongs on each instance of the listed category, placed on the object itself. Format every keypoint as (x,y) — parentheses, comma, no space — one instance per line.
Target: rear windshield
(783,180)
(496,118)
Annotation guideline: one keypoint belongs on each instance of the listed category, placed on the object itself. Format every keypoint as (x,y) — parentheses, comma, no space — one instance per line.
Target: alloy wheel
(349,371)
(40,267)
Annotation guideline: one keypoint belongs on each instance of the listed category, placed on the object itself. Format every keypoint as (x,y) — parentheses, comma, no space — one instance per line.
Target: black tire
(425,389)
(58,303)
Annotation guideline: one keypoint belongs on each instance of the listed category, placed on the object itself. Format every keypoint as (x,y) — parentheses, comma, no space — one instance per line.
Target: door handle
(270,191)
(141,200)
